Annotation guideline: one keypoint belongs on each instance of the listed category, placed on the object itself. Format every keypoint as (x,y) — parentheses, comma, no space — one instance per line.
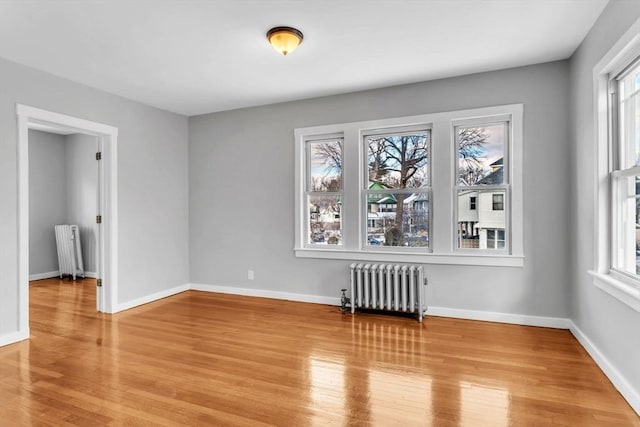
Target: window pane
(325,165)
(629,120)
(628,228)
(398,219)
(325,225)
(398,161)
(497,202)
(481,151)
(484,226)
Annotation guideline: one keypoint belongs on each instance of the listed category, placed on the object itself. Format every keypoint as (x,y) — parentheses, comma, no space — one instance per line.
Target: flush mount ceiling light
(284,39)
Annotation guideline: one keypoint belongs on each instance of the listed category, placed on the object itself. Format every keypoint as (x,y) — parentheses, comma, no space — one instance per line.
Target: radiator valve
(345,302)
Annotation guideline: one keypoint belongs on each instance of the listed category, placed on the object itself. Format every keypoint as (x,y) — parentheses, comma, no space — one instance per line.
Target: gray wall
(82,192)
(611,325)
(241,193)
(153,250)
(47,198)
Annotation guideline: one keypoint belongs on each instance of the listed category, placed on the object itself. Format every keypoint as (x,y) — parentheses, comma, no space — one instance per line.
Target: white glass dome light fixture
(284,39)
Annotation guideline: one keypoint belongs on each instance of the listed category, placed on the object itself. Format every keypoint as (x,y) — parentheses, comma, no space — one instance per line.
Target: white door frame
(107,295)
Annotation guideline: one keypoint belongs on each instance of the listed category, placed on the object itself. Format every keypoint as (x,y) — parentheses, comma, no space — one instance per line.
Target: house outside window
(366,190)
(482,182)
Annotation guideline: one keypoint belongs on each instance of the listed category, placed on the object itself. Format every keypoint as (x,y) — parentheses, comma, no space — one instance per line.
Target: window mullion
(351,199)
(442,180)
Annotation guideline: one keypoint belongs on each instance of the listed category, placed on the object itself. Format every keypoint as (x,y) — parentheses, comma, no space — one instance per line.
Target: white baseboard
(619,381)
(519,319)
(151,298)
(262,293)
(490,316)
(50,274)
(47,275)
(13,337)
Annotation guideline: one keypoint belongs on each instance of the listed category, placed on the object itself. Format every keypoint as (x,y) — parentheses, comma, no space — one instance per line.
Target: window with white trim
(625,176)
(435,188)
(482,147)
(617,238)
(324,191)
(396,189)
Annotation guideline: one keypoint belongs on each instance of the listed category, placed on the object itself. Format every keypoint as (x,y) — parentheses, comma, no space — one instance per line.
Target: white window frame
(443,164)
(504,188)
(307,184)
(364,191)
(624,287)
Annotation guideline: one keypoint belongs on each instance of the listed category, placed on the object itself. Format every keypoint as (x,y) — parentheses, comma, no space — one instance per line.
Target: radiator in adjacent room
(69,250)
(391,287)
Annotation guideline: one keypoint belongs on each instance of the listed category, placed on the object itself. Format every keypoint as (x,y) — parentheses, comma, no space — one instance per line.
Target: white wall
(82,191)
(611,326)
(153,250)
(241,191)
(47,198)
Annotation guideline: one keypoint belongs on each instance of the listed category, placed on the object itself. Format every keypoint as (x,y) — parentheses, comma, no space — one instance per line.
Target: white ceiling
(194,57)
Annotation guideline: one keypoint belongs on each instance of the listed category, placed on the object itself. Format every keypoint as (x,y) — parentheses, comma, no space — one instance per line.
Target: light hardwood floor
(211,359)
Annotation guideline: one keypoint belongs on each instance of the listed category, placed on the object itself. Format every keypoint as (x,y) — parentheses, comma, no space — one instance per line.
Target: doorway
(106,232)
(63,189)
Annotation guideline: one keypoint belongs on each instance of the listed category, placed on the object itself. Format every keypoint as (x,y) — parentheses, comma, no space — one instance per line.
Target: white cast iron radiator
(392,287)
(69,250)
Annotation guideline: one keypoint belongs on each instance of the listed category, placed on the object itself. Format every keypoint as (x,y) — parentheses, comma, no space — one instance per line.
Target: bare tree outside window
(398,168)
(399,162)
(470,143)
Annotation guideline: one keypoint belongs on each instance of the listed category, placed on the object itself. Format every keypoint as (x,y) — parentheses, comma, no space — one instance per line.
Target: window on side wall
(625,174)
(617,237)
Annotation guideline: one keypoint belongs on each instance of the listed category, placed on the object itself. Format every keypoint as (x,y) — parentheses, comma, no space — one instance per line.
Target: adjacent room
(393,212)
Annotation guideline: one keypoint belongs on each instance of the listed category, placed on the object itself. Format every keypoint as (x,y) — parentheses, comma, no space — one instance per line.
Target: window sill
(430,258)
(624,292)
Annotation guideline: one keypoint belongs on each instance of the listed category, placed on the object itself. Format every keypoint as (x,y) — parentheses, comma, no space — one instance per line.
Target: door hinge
(99,283)
(99,155)
(98,219)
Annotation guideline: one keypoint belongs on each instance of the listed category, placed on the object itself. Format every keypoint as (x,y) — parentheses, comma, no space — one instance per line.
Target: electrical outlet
(250,275)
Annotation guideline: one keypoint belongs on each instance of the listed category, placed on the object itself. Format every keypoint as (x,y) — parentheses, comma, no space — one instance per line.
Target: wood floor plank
(212,359)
